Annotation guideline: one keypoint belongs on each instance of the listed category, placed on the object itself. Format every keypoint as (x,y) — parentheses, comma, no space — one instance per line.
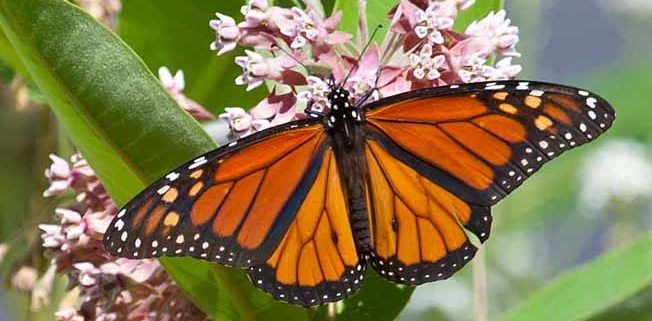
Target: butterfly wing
(317,261)
(472,145)
(232,205)
(416,225)
(483,140)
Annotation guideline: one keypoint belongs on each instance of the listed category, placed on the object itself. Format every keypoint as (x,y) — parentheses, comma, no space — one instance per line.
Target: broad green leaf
(130,130)
(176,34)
(477,11)
(377,300)
(9,56)
(592,288)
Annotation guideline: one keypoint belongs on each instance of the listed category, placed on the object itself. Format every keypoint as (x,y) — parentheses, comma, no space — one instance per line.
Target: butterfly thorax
(343,116)
(344,123)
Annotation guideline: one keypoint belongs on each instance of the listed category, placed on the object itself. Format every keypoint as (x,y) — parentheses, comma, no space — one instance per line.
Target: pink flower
(174,86)
(494,33)
(62,176)
(255,69)
(316,96)
(275,109)
(241,122)
(255,13)
(430,22)
(226,33)
(425,65)
(421,50)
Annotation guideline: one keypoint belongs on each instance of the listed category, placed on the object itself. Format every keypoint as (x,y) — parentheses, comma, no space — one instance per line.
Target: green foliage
(176,34)
(377,300)
(478,11)
(590,289)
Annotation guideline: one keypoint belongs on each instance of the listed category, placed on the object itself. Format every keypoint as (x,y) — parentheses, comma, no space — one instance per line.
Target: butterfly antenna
(364,49)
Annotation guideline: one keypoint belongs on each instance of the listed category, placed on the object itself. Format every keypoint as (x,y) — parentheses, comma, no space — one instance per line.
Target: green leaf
(9,56)
(592,288)
(349,9)
(377,11)
(377,300)
(476,12)
(176,34)
(127,126)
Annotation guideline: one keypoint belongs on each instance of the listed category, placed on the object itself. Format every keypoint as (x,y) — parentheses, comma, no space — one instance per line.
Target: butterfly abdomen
(359,223)
(349,150)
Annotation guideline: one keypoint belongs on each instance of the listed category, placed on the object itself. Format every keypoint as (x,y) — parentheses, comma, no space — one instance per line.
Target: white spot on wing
(537,93)
(495,87)
(119,225)
(199,161)
(163,189)
(592,114)
(591,102)
(172,176)
(523,86)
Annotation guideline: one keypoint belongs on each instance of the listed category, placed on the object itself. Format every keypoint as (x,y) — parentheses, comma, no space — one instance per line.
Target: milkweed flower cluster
(109,288)
(296,50)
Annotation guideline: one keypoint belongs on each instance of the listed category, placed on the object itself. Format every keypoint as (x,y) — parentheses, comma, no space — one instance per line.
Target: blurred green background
(580,206)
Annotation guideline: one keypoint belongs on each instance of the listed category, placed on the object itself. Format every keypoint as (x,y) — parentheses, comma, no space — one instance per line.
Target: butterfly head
(338,99)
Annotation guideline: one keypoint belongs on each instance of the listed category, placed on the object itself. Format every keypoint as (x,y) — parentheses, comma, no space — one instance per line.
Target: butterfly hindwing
(316,262)
(232,205)
(416,225)
(482,140)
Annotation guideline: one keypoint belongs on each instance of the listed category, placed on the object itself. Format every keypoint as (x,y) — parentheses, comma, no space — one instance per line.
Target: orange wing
(416,225)
(317,261)
(438,158)
(481,141)
(232,205)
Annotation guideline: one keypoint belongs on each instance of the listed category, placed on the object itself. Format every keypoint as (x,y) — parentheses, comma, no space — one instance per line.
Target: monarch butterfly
(394,183)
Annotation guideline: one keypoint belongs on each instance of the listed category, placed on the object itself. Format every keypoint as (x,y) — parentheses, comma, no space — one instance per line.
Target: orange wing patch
(489,137)
(226,206)
(416,225)
(316,261)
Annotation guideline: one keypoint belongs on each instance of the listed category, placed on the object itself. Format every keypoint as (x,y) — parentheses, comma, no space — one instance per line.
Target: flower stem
(480,286)
(331,312)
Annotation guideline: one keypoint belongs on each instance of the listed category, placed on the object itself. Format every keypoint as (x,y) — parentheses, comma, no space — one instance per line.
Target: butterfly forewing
(232,205)
(481,141)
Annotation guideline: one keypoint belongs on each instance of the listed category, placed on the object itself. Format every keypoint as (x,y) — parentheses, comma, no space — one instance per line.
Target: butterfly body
(396,183)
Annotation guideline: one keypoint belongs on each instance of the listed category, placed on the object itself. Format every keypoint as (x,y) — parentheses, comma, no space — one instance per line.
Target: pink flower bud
(227,33)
